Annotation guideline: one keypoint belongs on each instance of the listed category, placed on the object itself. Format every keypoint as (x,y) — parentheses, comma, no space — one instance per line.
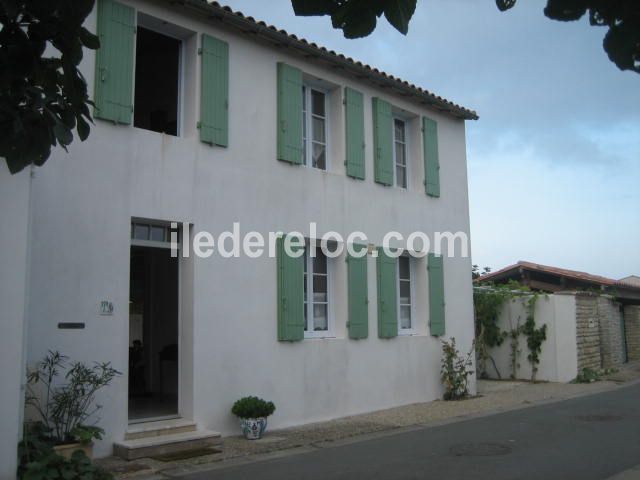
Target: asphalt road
(591,437)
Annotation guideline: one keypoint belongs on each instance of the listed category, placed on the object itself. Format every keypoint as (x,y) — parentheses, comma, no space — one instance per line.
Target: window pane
(399,130)
(405,293)
(317,101)
(400,154)
(320,321)
(306,322)
(320,262)
(319,157)
(403,264)
(157,234)
(405,317)
(141,232)
(304,98)
(401,176)
(319,288)
(318,130)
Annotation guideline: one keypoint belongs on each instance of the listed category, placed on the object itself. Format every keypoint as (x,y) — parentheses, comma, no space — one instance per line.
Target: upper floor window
(405,297)
(314,131)
(400,152)
(157,81)
(316,293)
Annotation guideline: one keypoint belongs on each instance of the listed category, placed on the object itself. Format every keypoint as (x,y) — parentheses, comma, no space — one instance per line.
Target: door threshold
(154,419)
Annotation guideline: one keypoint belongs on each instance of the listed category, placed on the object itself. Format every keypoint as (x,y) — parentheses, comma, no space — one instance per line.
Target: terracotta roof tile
(235,19)
(563,272)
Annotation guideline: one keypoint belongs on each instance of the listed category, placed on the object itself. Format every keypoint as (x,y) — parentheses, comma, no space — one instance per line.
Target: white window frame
(308,305)
(406,152)
(307,129)
(412,285)
(166,243)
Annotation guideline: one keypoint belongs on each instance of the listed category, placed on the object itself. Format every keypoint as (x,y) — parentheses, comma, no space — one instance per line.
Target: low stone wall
(632,328)
(587,331)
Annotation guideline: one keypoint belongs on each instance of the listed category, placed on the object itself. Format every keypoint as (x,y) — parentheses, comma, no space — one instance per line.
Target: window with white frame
(405,294)
(400,152)
(314,131)
(316,292)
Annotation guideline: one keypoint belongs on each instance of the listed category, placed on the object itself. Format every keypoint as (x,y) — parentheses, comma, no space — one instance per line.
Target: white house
(207,118)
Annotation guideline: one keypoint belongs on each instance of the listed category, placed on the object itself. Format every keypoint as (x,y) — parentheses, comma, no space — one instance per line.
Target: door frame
(167,245)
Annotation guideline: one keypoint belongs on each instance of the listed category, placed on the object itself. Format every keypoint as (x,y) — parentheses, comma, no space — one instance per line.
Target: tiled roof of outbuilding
(363,72)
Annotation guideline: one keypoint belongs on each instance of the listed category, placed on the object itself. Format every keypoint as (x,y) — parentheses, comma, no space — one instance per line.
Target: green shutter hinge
(200,51)
(199,125)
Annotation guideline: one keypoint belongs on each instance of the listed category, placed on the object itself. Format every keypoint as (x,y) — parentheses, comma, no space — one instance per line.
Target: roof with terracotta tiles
(361,71)
(562,272)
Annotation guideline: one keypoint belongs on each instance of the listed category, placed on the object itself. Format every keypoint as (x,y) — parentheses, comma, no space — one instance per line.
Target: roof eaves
(281,38)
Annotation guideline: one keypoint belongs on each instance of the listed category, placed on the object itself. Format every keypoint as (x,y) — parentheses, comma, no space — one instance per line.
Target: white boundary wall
(559,357)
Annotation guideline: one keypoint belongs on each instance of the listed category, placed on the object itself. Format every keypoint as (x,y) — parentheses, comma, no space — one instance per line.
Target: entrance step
(163,427)
(166,443)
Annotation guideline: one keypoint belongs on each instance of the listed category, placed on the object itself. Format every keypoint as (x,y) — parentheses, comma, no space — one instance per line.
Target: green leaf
(504,5)
(89,40)
(83,128)
(399,12)
(305,8)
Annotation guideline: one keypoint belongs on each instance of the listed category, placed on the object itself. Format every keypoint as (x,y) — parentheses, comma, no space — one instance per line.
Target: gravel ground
(493,396)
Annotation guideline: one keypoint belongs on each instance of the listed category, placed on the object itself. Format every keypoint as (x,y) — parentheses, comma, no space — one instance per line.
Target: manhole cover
(599,418)
(479,449)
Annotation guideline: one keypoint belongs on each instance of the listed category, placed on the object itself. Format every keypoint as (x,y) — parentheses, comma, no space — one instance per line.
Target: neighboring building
(593,321)
(206,117)
(633,280)
(553,279)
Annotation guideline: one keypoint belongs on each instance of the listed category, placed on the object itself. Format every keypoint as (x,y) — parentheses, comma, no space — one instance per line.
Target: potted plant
(64,406)
(253,413)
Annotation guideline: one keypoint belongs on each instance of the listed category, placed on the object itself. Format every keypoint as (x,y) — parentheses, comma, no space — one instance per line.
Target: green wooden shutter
(358,323)
(431,161)
(290,147)
(436,295)
(387,295)
(354,124)
(290,295)
(214,92)
(114,62)
(383,141)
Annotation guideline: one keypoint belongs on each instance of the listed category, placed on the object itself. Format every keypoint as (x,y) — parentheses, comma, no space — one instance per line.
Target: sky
(554,161)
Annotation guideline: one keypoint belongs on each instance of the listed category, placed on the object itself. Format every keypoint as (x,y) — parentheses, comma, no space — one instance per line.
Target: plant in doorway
(61,397)
(253,413)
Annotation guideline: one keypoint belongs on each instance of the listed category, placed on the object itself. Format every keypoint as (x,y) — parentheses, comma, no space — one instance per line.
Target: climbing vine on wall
(535,336)
(489,301)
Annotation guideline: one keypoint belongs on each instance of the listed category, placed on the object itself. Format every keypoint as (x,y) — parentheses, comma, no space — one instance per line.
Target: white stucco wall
(559,357)
(14,198)
(84,202)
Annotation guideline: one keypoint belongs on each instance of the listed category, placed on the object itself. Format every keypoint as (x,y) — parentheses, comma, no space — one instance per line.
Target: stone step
(166,444)
(155,429)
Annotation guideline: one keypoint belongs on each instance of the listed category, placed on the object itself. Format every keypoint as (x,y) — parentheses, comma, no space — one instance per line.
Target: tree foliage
(357,18)
(622,17)
(43,95)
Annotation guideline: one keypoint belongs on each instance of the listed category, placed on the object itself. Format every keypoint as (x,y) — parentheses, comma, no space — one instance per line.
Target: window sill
(319,336)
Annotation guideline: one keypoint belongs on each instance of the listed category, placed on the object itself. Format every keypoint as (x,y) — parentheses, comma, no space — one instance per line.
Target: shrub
(39,461)
(65,406)
(252,407)
(455,371)
(589,375)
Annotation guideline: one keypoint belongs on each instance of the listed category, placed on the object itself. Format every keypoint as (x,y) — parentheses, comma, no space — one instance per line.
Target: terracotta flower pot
(66,450)
(253,428)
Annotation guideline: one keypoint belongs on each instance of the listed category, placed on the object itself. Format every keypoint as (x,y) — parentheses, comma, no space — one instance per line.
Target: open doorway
(153,325)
